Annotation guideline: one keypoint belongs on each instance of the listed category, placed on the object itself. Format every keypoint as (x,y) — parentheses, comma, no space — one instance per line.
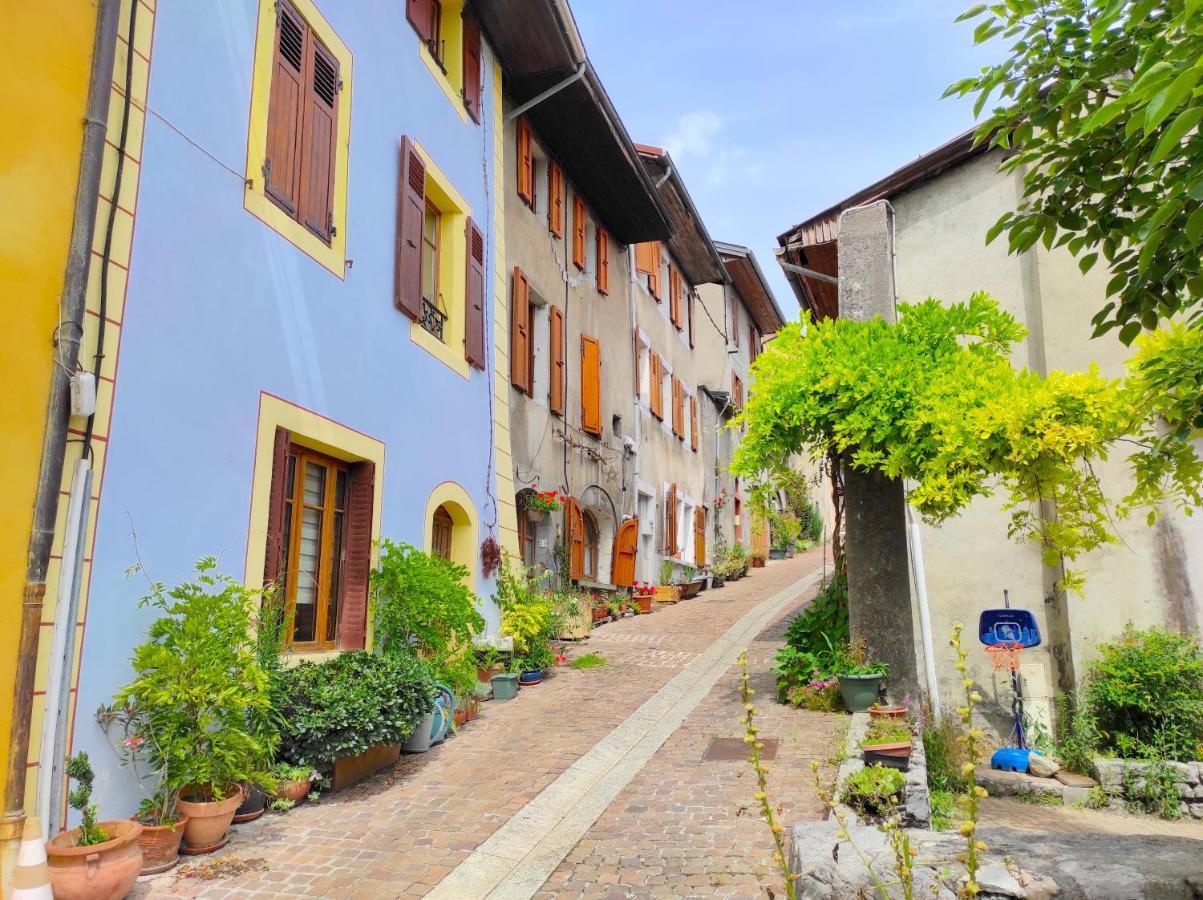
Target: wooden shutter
(474,298)
(753,343)
(653,279)
(275,507)
(421,16)
(319,132)
(285,105)
(472,78)
(526,164)
(734,322)
(643,257)
(603,260)
(699,536)
(578,231)
(737,391)
(693,422)
(678,408)
(411,209)
(692,310)
(626,546)
(674,297)
(591,385)
(520,332)
(670,521)
(555,199)
(574,539)
(357,559)
(556,394)
(655,384)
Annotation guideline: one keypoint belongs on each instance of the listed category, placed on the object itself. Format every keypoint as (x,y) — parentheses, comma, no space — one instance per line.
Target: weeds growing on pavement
(971,740)
(588,661)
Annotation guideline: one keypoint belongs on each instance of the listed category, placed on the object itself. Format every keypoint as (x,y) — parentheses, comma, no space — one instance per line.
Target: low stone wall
(916,807)
(1121,778)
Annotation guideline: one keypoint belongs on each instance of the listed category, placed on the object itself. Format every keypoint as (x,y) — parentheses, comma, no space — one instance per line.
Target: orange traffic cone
(31,879)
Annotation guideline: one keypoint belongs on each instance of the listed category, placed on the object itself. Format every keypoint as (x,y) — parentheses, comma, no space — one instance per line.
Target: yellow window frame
(331,256)
(451,33)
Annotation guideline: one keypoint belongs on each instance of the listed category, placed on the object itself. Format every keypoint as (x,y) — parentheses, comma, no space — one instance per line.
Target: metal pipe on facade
(54,441)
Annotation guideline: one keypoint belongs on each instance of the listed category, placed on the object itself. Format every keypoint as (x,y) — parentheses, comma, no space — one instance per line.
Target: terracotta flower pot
(104,871)
(892,748)
(643,602)
(160,846)
(888,713)
(461,716)
(295,790)
(485,674)
(208,822)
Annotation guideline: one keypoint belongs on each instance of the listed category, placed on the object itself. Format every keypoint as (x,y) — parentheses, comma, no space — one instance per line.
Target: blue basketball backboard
(1012,626)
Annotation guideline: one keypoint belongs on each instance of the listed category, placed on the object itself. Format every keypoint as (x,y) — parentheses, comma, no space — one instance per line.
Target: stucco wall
(220,308)
(1147,579)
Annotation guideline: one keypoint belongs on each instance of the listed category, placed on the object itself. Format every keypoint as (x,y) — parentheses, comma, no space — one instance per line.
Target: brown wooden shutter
(590,385)
(670,521)
(737,391)
(656,384)
(421,16)
(693,422)
(753,343)
(319,132)
(474,299)
(520,332)
(699,536)
(411,209)
(626,546)
(678,408)
(674,297)
(526,164)
(603,260)
(274,549)
(692,310)
(556,393)
(472,76)
(555,199)
(357,561)
(574,538)
(285,105)
(578,231)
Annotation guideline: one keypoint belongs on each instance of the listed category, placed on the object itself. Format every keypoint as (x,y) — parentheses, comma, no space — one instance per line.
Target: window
(590,560)
(670,521)
(734,323)
(555,199)
(678,408)
(753,343)
(578,231)
(556,391)
(574,538)
(450,524)
(655,384)
(591,386)
(527,542)
(603,260)
(439,277)
(691,310)
(675,285)
(473,87)
(647,261)
(449,45)
(699,536)
(526,164)
(520,342)
(440,533)
(737,391)
(693,422)
(296,170)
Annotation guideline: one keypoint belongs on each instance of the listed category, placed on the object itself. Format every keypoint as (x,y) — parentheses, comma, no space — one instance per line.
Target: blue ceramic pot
(533,677)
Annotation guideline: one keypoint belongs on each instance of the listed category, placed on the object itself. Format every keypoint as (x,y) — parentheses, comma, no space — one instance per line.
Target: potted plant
(860,678)
(885,713)
(887,743)
(205,697)
(505,686)
(530,617)
(642,595)
(738,562)
(539,503)
(669,588)
(97,859)
(292,782)
(487,662)
(757,558)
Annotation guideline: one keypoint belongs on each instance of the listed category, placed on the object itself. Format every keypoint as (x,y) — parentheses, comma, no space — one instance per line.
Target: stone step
(1073,779)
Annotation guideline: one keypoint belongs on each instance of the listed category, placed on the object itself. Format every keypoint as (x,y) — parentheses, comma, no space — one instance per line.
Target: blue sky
(775,110)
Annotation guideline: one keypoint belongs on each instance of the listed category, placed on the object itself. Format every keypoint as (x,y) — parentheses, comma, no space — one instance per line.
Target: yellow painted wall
(47,49)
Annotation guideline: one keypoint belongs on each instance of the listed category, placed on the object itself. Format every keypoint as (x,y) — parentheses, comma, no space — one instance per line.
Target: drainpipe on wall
(54,441)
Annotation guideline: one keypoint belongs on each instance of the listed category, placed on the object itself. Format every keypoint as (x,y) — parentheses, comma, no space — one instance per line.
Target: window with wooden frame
(753,343)
(655,384)
(671,546)
(603,260)
(578,231)
(520,333)
(734,322)
(555,198)
(440,533)
(699,536)
(434,311)
(678,390)
(675,284)
(694,425)
(591,545)
(574,538)
(526,164)
(591,419)
(556,389)
(527,537)
(473,90)
(647,261)
(737,391)
(426,16)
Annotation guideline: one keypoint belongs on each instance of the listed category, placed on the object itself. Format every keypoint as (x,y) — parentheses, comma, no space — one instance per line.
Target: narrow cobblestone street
(594,778)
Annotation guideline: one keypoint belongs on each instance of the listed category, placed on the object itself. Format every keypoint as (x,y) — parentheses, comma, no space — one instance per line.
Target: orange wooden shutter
(653,279)
(655,384)
(699,536)
(670,521)
(692,310)
(578,231)
(626,546)
(281,162)
(678,408)
(526,164)
(411,209)
(421,16)
(520,332)
(590,385)
(693,422)
(556,395)
(643,257)
(574,538)
(674,297)
(603,260)
(474,298)
(357,559)
(275,507)
(472,76)
(555,199)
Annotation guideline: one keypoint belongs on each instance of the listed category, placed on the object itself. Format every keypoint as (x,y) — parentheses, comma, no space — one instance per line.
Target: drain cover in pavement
(735,748)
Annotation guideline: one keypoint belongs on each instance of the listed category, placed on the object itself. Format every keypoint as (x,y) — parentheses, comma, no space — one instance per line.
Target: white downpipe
(51,762)
(919,578)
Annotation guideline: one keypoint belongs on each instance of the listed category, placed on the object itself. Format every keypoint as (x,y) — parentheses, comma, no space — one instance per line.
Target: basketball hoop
(1004,656)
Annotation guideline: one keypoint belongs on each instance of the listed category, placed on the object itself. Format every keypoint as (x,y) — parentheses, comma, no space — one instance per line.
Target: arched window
(591,542)
(440,533)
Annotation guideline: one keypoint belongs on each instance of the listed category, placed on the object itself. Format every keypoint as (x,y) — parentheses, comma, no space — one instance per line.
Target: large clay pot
(160,846)
(208,822)
(100,872)
(643,602)
(295,790)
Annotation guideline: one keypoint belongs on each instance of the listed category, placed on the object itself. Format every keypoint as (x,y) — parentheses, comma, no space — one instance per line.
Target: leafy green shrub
(1146,693)
(1077,740)
(945,753)
(202,695)
(528,615)
(873,790)
(813,637)
(348,703)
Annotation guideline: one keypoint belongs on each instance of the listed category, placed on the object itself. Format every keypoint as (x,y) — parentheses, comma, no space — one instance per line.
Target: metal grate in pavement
(735,748)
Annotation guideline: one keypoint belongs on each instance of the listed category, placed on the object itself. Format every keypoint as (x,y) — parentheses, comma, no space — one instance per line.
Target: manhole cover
(735,748)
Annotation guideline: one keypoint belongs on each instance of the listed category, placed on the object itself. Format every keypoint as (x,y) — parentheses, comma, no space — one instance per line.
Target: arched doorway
(451,529)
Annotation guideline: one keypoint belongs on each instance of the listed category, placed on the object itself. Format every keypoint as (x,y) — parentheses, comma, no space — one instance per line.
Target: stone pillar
(879,588)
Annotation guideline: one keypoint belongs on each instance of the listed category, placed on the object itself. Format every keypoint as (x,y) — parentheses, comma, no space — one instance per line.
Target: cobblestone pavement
(401,832)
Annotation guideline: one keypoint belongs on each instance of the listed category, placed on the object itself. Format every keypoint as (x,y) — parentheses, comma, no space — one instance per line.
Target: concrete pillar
(879,590)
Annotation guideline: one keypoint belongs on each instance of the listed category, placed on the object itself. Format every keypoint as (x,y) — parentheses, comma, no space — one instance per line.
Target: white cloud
(694,134)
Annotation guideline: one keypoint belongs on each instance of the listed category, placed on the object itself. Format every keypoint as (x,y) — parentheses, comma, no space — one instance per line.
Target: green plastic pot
(859,691)
(505,687)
